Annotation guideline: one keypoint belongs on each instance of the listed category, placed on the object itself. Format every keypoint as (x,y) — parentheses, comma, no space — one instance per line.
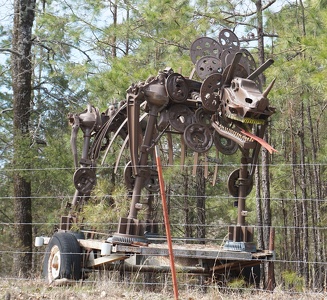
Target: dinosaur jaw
(244,139)
(239,138)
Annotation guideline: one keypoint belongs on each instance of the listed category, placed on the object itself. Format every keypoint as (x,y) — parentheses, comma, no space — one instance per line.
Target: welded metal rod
(167,223)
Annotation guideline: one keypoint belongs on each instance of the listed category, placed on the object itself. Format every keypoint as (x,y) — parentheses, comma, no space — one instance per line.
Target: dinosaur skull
(244,102)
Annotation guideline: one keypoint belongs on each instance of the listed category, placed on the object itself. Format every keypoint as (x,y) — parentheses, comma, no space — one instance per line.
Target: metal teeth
(235,133)
(246,120)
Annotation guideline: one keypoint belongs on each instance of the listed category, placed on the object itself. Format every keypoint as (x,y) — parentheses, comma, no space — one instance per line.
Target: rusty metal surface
(185,251)
(220,104)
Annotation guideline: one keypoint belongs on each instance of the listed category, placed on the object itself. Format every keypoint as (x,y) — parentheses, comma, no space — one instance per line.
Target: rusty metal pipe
(139,179)
(242,192)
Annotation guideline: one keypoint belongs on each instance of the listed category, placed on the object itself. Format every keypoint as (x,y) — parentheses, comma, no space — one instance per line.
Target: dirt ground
(105,289)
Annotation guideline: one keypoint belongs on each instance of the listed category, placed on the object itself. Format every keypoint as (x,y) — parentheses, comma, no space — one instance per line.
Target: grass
(110,288)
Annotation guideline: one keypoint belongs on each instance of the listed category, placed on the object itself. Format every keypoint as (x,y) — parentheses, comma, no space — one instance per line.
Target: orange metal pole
(167,224)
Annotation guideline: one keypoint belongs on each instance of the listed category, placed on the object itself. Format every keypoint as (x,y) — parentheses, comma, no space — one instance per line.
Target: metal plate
(233,185)
(177,88)
(228,40)
(180,116)
(198,137)
(204,46)
(208,65)
(163,120)
(210,92)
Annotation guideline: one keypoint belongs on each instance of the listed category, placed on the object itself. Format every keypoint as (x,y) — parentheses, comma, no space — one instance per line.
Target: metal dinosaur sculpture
(219,104)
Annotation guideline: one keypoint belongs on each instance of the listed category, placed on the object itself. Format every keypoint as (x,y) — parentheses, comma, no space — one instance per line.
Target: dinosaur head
(243,106)
(242,101)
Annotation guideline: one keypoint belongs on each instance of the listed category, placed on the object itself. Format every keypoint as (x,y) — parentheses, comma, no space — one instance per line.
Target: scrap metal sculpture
(219,104)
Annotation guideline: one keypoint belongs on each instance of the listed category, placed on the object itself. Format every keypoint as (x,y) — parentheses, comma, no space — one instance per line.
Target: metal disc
(177,88)
(233,184)
(180,116)
(210,92)
(198,137)
(247,61)
(202,117)
(224,145)
(204,46)
(208,65)
(227,57)
(84,180)
(228,40)
(239,72)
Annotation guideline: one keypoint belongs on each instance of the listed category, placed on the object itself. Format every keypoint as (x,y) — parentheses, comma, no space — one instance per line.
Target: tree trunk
(296,219)
(187,213)
(259,209)
(200,204)
(24,13)
(265,183)
(127,35)
(305,230)
(315,206)
(114,11)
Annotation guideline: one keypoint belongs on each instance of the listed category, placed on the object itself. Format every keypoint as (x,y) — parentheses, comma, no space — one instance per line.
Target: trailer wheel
(62,258)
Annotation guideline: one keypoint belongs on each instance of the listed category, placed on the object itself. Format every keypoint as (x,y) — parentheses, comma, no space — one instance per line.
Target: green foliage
(236,283)
(107,203)
(292,281)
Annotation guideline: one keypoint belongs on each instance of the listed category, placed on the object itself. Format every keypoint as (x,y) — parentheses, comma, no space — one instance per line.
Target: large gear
(234,183)
(208,65)
(228,40)
(198,137)
(177,88)
(204,46)
(84,180)
(224,145)
(180,116)
(210,92)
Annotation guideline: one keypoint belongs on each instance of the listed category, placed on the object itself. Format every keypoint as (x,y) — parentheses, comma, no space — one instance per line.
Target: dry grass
(106,289)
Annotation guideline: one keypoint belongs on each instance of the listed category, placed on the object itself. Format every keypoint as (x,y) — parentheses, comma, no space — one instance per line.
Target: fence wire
(289,281)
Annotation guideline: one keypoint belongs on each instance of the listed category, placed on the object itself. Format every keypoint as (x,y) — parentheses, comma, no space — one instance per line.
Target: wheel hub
(54,263)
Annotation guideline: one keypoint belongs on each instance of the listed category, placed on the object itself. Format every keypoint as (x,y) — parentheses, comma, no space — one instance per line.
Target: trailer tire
(62,258)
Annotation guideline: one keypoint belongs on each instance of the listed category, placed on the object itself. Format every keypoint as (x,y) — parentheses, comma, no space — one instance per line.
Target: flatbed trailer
(207,260)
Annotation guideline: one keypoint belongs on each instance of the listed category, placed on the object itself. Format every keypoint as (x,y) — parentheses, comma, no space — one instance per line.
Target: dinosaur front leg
(154,93)
(143,171)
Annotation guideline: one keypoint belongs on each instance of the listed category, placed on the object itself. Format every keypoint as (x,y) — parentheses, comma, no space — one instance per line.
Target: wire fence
(288,283)
(289,258)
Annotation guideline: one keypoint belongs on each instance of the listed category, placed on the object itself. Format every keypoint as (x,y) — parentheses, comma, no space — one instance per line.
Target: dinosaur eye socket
(235,86)
(248,100)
